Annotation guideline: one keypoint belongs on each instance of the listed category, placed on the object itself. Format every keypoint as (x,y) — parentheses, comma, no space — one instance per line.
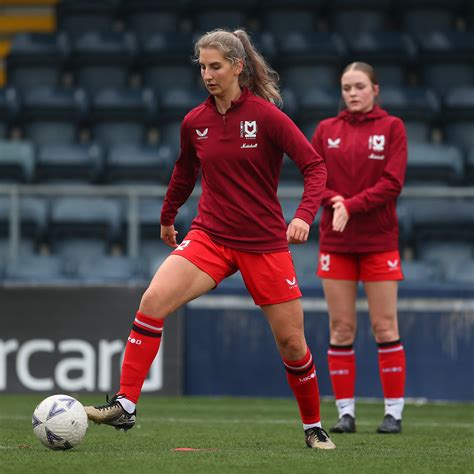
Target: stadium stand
(93,93)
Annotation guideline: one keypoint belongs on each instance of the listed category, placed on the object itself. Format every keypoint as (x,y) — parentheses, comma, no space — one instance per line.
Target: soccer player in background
(237,138)
(365,150)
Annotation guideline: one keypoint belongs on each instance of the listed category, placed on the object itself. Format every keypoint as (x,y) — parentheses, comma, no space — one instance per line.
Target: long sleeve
(183,179)
(390,184)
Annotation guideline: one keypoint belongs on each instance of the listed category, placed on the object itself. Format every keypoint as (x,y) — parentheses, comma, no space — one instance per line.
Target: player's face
(220,76)
(358,91)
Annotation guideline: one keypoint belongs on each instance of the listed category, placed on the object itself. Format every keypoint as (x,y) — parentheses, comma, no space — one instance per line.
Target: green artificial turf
(242,435)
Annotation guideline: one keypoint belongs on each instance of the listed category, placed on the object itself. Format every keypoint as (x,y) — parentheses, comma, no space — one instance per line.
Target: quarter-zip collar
(359,117)
(211,102)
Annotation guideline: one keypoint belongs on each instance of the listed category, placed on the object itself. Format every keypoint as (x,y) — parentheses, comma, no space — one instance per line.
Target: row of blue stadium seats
(114,115)
(101,269)
(22,162)
(277,15)
(49,220)
(96,59)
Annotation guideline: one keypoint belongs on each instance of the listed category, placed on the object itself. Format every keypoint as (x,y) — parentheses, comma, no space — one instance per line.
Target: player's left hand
(297,232)
(340,217)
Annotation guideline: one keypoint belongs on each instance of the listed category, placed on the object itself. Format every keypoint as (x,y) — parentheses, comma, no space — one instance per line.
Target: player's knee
(342,332)
(385,330)
(153,304)
(293,347)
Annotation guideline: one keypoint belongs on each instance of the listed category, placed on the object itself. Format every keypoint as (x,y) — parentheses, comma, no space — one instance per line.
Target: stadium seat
(153,254)
(177,102)
(460,133)
(307,48)
(26,248)
(439,219)
(76,250)
(304,77)
(122,115)
(33,216)
(381,47)
(163,47)
(209,19)
(458,103)
(9,107)
(461,272)
(410,103)
(435,164)
(37,60)
(17,161)
(426,18)
(282,20)
(417,130)
(85,217)
(420,271)
(100,269)
(318,103)
(69,162)
(355,18)
(77,16)
(52,115)
(163,77)
(102,59)
(470,167)
(445,254)
(37,269)
(170,134)
(445,59)
(147,17)
(136,163)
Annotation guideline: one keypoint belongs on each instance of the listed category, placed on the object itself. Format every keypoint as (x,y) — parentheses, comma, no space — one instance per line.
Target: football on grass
(60,422)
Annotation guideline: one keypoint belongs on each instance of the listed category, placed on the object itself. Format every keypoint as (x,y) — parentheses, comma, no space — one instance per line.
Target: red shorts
(378,266)
(269,277)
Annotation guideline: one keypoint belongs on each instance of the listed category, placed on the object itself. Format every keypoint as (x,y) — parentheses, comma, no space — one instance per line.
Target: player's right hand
(168,235)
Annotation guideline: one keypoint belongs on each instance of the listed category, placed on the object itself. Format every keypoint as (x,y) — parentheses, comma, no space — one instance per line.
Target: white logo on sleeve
(248,129)
(183,245)
(203,134)
(324,259)
(392,264)
(334,143)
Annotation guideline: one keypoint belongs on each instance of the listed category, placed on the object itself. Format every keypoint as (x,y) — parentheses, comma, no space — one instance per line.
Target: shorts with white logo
(378,266)
(269,277)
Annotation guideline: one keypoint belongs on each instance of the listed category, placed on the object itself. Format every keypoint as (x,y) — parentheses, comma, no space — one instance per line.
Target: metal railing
(133,193)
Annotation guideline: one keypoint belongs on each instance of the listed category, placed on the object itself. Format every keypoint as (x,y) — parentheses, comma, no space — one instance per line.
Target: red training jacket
(366,156)
(240,154)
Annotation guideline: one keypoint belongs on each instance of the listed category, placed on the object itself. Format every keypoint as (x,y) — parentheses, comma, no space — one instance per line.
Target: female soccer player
(237,138)
(365,151)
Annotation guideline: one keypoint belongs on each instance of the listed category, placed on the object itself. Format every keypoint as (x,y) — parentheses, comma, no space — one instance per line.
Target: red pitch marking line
(194,449)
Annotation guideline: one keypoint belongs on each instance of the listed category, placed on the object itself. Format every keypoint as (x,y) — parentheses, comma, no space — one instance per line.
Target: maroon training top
(366,157)
(240,154)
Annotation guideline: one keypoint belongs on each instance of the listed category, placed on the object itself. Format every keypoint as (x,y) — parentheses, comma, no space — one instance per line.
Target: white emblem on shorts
(292,283)
(324,260)
(183,245)
(392,264)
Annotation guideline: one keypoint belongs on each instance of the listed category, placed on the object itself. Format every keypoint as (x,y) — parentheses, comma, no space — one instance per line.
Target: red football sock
(301,375)
(392,369)
(342,369)
(140,352)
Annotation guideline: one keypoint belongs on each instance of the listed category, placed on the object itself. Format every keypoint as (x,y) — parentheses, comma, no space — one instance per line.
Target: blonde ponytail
(257,75)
